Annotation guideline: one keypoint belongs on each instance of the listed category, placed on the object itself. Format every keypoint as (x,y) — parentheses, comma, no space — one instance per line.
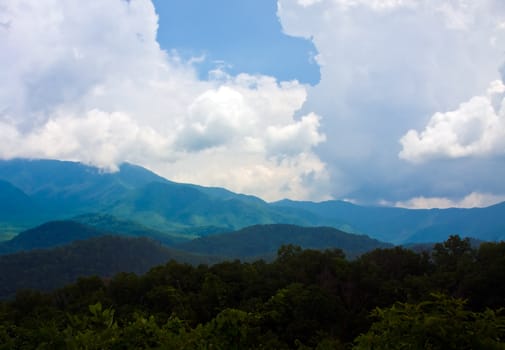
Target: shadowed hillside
(104,256)
(265,240)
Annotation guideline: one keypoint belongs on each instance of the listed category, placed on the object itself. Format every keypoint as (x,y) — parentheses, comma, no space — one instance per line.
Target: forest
(395,298)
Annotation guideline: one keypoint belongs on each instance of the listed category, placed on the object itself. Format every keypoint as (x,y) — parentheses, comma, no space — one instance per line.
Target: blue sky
(242,36)
(379,102)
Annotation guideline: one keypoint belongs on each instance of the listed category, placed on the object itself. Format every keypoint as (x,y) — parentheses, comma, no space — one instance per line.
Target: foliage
(440,323)
(305,299)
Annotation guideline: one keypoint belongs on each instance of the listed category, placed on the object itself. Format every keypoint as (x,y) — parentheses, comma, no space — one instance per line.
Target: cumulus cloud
(215,118)
(88,81)
(98,138)
(387,66)
(294,138)
(476,128)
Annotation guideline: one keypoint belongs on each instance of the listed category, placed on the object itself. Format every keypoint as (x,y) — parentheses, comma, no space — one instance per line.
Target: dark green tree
(442,323)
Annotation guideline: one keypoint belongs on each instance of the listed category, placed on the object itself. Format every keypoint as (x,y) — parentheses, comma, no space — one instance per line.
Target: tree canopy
(305,299)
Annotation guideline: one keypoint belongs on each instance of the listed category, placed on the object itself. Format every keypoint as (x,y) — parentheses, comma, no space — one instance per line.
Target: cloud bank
(410,96)
(87,81)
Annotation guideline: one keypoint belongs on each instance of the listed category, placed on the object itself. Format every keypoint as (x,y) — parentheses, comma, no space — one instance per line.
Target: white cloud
(294,138)
(473,200)
(215,118)
(476,128)
(377,5)
(98,138)
(87,81)
(307,3)
(374,4)
(244,132)
(54,52)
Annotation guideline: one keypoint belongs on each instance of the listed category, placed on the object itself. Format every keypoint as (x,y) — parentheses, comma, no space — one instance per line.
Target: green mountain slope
(56,233)
(102,256)
(70,188)
(172,206)
(17,210)
(111,224)
(14,202)
(53,176)
(48,235)
(265,240)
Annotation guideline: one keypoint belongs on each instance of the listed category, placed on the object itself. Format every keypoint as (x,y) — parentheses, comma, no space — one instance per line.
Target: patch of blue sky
(238,36)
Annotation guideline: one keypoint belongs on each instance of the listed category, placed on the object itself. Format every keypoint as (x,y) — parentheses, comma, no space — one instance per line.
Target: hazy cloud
(392,67)
(473,200)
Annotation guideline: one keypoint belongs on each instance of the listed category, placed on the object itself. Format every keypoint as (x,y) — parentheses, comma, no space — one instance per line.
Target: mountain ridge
(264,241)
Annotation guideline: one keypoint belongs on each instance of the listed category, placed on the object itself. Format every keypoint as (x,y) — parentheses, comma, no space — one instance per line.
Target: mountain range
(133,198)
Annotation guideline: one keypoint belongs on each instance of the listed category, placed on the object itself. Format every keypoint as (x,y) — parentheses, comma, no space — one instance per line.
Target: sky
(378,102)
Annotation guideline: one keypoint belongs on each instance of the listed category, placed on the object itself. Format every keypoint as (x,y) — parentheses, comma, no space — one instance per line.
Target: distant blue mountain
(14,203)
(399,225)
